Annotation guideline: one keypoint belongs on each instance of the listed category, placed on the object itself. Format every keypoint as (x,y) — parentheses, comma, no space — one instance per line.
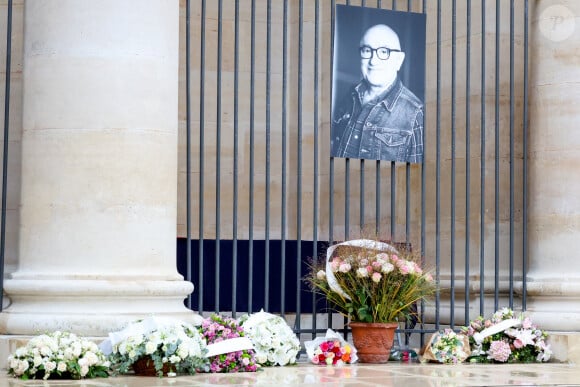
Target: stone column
(99,168)
(554,157)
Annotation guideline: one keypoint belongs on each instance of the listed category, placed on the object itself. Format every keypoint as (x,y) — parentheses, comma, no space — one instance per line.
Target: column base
(90,307)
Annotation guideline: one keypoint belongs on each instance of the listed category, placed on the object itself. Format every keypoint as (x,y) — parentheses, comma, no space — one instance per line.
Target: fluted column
(554,157)
(99,167)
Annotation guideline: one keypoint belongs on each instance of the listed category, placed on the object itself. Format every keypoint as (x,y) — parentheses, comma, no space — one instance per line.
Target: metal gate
(258,82)
(260,195)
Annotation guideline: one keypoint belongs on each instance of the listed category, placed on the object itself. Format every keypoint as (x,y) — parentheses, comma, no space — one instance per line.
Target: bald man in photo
(380,118)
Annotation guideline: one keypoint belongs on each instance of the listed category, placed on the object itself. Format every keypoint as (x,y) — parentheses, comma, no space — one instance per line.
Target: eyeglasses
(383,53)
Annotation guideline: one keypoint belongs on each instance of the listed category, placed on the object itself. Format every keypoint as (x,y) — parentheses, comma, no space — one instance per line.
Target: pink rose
(376,277)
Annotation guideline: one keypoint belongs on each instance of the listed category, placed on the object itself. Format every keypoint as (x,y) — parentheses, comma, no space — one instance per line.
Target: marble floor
(390,374)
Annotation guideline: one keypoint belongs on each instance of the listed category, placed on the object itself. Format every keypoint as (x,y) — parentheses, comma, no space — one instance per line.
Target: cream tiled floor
(391,374)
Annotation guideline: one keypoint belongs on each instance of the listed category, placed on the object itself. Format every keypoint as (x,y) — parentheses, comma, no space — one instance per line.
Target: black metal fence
(463,207)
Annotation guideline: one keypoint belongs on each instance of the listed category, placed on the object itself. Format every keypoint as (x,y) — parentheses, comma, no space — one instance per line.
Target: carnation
(50,356)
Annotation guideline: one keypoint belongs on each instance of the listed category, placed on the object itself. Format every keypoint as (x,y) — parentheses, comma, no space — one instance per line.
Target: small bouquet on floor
(274,341)
(447,347)
(229,349)
(330,350)
(58,355)
(506,338)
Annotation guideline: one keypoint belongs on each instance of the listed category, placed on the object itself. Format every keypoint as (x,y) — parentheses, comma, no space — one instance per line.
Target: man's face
(381,72)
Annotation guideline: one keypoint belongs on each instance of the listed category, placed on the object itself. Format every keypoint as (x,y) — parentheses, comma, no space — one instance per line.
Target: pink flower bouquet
(217,329)
(330,350)
(506,338)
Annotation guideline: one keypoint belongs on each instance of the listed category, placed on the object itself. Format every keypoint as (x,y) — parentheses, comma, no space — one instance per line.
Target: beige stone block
(565,346)
(73,98)
(104,193)
(552,196)
(554,118)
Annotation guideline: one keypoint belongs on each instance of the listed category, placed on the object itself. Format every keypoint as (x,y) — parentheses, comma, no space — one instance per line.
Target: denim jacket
(387,128)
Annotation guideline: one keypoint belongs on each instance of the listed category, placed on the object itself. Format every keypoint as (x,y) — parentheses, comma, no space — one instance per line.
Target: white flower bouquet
(170,346)
(58,355)
(447,347)
(274,341)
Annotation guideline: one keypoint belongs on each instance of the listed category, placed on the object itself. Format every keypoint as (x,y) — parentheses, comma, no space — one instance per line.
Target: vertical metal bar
(423,206)
(218,158)
(188,143)
(453,118)
(408,190)
(497,107)
(467,157)
(362,195)
(408,202)
(525,163)
(393,183)
(268,140)
(482,171)
(331,161)
(251,188)
(315,203)
(236,159)
(438,171)
(284,146)
(299,169)
(201,157)
(6,137)
(393,201)
(378,198)
(511,243)
(346,197)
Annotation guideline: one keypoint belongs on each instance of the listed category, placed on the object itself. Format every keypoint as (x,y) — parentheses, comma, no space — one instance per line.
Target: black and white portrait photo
(378,84)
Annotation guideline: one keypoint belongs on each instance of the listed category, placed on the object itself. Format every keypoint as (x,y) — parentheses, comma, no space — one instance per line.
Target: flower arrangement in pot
(376,287)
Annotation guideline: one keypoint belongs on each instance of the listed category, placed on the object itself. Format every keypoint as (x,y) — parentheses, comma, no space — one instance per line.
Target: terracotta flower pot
(145,366)
(373,341)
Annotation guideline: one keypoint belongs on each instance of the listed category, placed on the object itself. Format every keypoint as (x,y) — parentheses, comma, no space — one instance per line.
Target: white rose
(49,366)
(150,347)
(45,351)
(77,350)
(84,370)
(37,361)
(68,353)
(92,358)
(61,366)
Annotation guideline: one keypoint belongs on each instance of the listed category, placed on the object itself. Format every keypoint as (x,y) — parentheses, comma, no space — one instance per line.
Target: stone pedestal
(554,156)
(99,168)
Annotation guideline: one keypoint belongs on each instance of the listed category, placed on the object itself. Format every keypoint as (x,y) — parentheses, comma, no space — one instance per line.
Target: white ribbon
(229,345)
(363,243)
(499,327)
